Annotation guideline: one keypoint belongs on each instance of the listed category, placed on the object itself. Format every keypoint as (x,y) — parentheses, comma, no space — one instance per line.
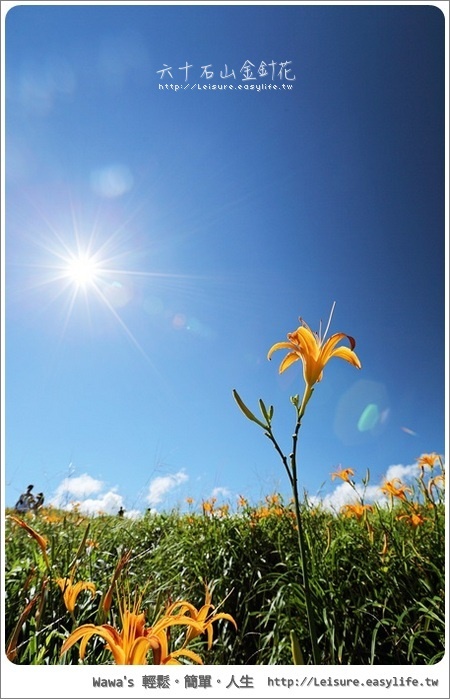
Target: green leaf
(248,413)
(267,414)
(297,655)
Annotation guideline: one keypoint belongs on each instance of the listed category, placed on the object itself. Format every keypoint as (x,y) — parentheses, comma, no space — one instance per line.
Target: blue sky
(209,221)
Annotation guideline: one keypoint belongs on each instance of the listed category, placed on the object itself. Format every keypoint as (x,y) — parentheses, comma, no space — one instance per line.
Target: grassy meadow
(376,576)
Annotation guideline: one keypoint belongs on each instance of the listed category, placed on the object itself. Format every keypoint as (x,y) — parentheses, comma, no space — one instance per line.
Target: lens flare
(362,412)
(409,431)
(368,418)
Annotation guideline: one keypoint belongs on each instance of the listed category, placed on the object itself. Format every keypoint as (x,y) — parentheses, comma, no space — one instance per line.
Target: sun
(82,270)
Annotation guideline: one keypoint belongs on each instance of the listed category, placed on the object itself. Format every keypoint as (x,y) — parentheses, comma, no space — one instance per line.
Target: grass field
(376,575)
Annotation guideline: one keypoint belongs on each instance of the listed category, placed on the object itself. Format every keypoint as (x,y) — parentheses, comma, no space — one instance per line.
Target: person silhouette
(121,512)
(26,501)
(38,502)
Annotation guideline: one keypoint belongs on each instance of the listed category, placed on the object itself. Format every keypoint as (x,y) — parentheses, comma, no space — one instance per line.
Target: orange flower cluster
(132,644)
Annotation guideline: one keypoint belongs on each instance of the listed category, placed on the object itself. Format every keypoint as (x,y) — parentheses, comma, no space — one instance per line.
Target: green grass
(377,582)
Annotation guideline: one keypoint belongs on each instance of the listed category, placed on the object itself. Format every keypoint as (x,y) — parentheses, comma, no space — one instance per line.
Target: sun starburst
(82,270)
(83,273)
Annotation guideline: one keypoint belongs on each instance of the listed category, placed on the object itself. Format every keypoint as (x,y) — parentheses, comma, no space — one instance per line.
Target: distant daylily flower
(437,482)
(345,473)
(91,544)
(357,510)
(415,518)
(71,591)
(51,519)
(396,491)
(208,506)
(427,460)
(314,352)
(273,499)
(261,513)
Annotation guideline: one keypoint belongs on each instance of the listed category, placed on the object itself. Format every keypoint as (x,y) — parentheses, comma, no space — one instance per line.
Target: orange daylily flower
(272,499)
(395,491)
(357,510)
(427,460)
(131,645)
(51,519)
(208,506)
(314,352)
(71,592)
(437,482)
(415,519)
(203,617)
(344,473)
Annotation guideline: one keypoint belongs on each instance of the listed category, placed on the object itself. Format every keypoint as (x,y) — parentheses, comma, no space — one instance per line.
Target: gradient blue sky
(216,218)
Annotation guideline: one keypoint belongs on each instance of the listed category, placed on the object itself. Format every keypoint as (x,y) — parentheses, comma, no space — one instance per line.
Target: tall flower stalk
(314,351)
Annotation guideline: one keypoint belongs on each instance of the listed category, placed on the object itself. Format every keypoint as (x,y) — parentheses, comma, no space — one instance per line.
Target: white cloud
(86,493)
(78,492)
(109,503)
(220,492)
(133,514)
(344,494)
(405,473)
(160,486)
(78,488)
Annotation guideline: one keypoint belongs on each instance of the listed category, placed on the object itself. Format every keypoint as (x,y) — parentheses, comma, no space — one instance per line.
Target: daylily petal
(182,607)
(280,345)
(332,341)
(328,348)
(307,340)
(184,651)
(73,592)
(288,360)
(138,652)
(163,644)
(347,354)
(312,370)
(87,630)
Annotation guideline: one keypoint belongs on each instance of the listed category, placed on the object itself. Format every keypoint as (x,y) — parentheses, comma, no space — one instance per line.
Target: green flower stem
(302,542)
(291,471)
(283,458)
